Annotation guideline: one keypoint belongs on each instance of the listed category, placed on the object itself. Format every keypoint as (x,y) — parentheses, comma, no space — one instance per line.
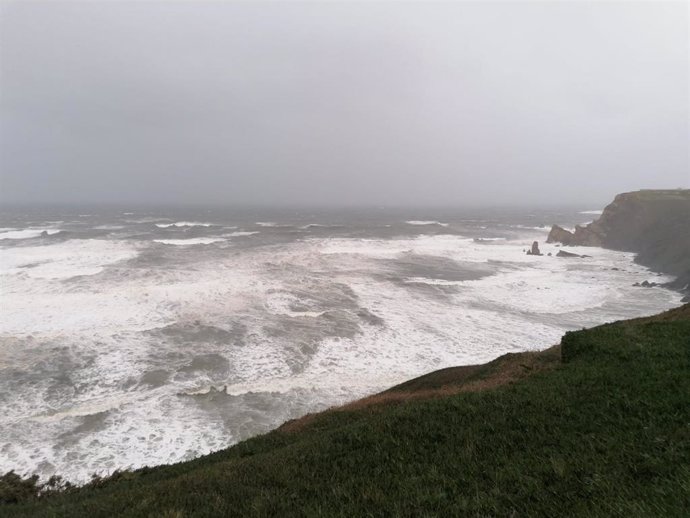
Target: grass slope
(605,432)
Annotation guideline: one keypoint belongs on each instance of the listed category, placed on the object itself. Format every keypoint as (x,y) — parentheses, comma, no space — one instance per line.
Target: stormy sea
(139,336)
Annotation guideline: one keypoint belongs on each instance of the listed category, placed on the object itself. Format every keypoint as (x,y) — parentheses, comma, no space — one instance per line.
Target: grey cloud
(341,103)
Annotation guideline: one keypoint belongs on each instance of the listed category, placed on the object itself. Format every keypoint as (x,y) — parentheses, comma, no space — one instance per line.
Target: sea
(134,336)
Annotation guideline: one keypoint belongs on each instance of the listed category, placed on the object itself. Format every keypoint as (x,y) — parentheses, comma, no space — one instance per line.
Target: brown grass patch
(504,370)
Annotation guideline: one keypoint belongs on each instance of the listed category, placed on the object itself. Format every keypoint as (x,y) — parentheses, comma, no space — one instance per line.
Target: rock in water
(645,284)
(535,249)
(563,253)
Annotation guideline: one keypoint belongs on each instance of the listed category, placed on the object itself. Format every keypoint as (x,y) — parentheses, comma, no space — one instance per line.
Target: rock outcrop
(535,249)
(560,235)
(655,224)
(583,236)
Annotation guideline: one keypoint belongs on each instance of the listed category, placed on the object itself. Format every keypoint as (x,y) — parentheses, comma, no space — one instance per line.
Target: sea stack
(535,249)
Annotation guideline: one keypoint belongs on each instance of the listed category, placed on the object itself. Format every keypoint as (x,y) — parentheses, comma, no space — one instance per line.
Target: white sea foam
(28,233)
(184,224)
(64,260)
(596,212)
(108,334)
(190,241)
(424,222)
(266,224)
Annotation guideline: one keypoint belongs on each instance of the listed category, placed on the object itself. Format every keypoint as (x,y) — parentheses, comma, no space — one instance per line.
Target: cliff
(655,224)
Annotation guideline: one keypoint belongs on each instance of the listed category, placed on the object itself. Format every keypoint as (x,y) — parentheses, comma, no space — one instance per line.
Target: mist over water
(134,337)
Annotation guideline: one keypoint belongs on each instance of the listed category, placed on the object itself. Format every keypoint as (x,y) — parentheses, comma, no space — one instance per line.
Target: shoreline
(432,413)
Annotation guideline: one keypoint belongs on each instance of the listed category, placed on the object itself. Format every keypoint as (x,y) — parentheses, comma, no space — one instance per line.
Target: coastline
(428,324)
(503,371)
(654,224)
(616,391)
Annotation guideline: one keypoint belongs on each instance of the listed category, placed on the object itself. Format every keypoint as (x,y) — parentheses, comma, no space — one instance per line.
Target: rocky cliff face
(653,223)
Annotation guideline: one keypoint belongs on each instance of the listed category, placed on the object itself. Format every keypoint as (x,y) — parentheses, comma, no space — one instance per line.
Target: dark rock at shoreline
(646,284)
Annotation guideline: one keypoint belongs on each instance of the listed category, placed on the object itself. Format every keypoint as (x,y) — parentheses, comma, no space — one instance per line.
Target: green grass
(605,433)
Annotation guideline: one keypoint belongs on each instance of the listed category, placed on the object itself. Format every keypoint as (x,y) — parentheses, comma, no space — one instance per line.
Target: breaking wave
(28,233)
(424,223)
(190,241)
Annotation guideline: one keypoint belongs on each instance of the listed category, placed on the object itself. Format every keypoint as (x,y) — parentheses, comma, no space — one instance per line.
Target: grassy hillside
(605,432)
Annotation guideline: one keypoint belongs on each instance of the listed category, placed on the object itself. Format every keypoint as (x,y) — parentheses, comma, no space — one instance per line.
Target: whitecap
(425,222)
(314,225)
(192,241)
(595,212)
(28,233)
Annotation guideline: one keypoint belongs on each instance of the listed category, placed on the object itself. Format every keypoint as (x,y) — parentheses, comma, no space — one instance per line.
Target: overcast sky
(342,103)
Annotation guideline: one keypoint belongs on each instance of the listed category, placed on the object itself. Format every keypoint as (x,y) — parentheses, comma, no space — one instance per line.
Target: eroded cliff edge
(655,224)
